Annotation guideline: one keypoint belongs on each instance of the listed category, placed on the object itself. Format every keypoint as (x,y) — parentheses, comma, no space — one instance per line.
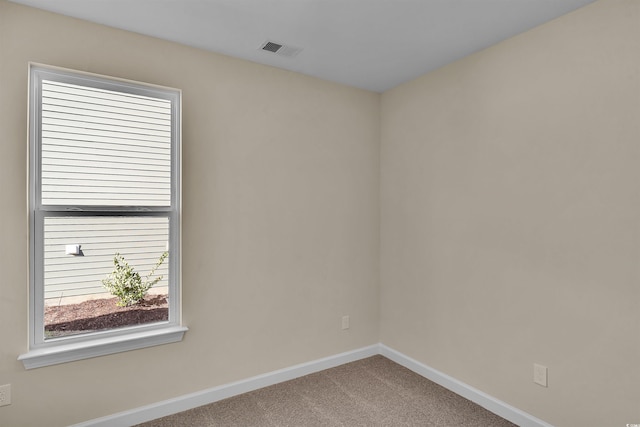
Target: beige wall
(510,210)
(280,220)
(509,219)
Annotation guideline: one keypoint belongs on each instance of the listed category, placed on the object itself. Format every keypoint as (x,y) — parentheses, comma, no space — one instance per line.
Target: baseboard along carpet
(374,391)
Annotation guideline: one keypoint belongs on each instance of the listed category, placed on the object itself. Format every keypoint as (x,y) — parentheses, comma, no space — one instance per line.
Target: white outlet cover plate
(5,395)
(540,374)
(345,322)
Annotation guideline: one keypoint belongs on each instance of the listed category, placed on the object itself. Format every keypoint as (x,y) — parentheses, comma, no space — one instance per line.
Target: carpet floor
(371,392)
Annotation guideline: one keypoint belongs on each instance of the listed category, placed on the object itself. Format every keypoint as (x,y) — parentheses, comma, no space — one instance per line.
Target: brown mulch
(100,314)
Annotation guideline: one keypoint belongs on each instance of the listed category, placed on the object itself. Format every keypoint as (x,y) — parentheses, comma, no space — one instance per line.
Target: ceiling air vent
(272,47)
(281,49)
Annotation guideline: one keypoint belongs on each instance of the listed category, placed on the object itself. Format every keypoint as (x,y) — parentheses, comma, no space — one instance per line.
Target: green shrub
(126,284)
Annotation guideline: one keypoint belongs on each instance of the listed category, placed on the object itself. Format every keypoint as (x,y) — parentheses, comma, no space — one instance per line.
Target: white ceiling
(370,44)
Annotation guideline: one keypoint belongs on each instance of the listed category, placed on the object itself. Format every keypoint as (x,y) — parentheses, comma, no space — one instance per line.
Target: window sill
(100,347)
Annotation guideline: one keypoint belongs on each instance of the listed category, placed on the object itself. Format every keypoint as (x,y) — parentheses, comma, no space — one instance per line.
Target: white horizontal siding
(101,147)
(141,240)
(78,138)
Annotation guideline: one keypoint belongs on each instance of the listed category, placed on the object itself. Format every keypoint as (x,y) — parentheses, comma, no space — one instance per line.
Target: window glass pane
(104,148)
(79,254)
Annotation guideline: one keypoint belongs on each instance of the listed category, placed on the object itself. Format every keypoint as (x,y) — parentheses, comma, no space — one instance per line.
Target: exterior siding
(102,148)
(141,240)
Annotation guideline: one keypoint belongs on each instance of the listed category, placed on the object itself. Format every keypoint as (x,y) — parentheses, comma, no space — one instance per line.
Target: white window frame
(44,352)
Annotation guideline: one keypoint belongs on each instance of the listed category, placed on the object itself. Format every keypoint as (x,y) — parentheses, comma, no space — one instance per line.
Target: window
(104,183)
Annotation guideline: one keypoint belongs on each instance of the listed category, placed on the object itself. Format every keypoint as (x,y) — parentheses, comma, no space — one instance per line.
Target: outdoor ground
(99,314)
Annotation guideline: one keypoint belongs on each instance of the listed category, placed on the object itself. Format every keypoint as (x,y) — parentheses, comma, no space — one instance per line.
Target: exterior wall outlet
(5,395)
(345,322)
(540,374)
(72,249)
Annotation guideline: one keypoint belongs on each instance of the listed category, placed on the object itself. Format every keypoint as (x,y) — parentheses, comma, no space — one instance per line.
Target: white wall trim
(126,340)
(193,400)
(488,402)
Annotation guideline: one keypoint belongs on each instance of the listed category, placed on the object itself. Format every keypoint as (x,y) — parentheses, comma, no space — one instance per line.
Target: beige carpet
(370,392)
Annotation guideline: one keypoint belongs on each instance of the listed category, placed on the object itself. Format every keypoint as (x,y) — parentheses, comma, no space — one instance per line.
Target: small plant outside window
(127,284)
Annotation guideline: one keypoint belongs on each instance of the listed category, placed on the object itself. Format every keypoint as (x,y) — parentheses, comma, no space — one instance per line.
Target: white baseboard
(193,400)
(490,403)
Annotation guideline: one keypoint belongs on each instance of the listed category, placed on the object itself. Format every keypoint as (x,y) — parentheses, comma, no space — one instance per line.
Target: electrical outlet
(540,374)
(345,322)
(5,395)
